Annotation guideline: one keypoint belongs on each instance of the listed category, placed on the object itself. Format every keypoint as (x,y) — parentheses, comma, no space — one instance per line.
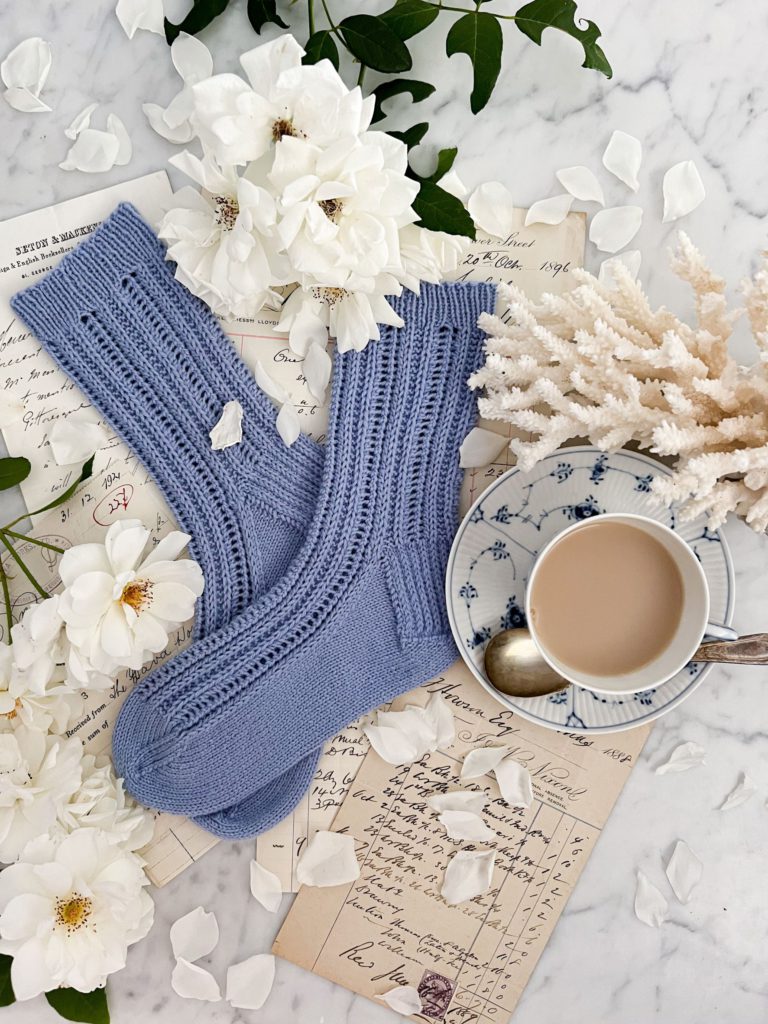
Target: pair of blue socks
(324,568)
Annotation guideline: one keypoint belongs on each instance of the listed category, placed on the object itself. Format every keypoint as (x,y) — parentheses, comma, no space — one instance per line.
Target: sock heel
(415,573)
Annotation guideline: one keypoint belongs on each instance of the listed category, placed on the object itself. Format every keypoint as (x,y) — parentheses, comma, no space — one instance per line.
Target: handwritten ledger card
(470,962)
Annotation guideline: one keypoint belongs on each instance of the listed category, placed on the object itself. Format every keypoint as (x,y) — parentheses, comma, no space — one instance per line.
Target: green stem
(311,16)
(468,10)
(7,599)
(17,558)
(332,24)
(32,540)
(361,75)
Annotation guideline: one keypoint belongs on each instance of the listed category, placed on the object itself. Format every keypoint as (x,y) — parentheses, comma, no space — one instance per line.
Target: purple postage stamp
(436,993)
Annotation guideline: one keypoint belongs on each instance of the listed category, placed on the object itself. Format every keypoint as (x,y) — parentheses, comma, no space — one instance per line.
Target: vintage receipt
(391,927)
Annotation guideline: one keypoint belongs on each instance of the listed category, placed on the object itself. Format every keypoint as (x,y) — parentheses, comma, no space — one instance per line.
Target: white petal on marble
(25,101)
(140,14)
(80,121)
(481,761)
(683,871)
(630,258)
(392,745)
(458,800)
(552,210)
(452,183)
(24,72)
(622,157)
(317,370)
(466,825)
(192,982)
(265,887)
(744,790)
(250,982)
(612,229)
(581,183)
(154,114)
(194,935)
(191,58)
(439,713)
(287,423)
(468,874)
(683,190)
(11,411)
(650,904)
(75,440)
(480,447)
(685,756)
(125,147)
(329,859)
(515,784)
(492,209)
(228,429)
(93,151)
(403,999)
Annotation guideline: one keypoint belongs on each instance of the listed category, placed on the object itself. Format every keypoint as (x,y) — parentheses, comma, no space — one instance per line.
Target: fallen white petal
(329,859)
(154,114)
(11,411)
(615,227)
(514,781)
(80,121)
(140,14)
(268,385)
(192,982)
(191,58)
(392,745)
(468,874)
(552,210)
(630,259)
(452,183)
(265,887)
(581,183)
(650,904)
(27,65)
(404,999)
(622,157)
(287,423)
(481,447)
(229,427)
(125,147)
(741,792)
(684,756)
(73,440)
(466,825)
(414,722)
(93,151)
(194,935)
(441,717)
(317,370)
(458,800)
(250,982)
(683,871)
(25,101)
(482,760)
(683,190)
(492,209)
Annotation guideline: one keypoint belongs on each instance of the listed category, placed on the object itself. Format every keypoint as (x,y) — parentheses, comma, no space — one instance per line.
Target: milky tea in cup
(617,603)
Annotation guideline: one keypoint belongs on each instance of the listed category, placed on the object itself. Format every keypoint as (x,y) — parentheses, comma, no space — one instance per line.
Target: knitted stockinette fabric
(154,361)
(360,615)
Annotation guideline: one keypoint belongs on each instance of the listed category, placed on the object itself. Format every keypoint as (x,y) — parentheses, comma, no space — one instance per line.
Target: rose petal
(741,792)
(581,183)
(25,101)
(481,761)
(27,65)
(228,429)
(683,871)
(317,370)
(622,157)
(481,447)
(191,58)
(392,745)
(685,756)
(414,723)
(403,999)
(287,423)
(11,411)
(154,114)
(80,121)
(466,825)
(329,859)
(440,715)
(194,935)
(250,982)
(140,14)
(615,227)
(514,781)
(552,210)
(74,440)
(468,874)
(630,259)
(268,385)
(492,209)
(458,800)
(650,904)
(192,982)
(683,190)
(93,152)
(265,887)
(452,183)
(125,147)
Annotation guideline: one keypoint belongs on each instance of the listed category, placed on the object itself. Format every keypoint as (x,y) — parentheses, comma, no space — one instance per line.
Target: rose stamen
(227,211)
(73,912)
(331,208)
(137,594)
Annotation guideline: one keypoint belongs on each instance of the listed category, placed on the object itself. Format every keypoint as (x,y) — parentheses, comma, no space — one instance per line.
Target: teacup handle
(717,632)
(747,650)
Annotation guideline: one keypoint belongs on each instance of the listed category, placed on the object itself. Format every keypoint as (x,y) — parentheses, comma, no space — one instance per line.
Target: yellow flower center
(330,296)
(331,208)
(73,912)
(227,211)
(13,712)
(137,594)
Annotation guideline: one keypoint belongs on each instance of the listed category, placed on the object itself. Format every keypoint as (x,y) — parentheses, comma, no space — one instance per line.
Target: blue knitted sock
(360,615)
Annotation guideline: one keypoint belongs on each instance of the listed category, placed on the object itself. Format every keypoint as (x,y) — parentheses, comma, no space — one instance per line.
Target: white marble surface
(690,82)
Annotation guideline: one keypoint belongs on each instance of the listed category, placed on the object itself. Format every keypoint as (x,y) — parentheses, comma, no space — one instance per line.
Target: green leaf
(321,46)
(202,14)
(85,473)
(89,1007)
(533,18)
(479,36)
(445,160)
(6,991)
(438,210)
(409,17)
(418,91)
(375,44)
(412,136)
(13,471)
(263,12)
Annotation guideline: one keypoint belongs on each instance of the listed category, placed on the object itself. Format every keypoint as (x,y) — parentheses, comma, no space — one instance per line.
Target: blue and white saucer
(497,543)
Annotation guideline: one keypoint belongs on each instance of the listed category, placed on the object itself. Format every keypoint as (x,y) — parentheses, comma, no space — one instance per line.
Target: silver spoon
(515,667)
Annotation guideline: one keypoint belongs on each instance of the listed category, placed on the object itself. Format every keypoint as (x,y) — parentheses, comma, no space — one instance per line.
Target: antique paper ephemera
(469,962)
